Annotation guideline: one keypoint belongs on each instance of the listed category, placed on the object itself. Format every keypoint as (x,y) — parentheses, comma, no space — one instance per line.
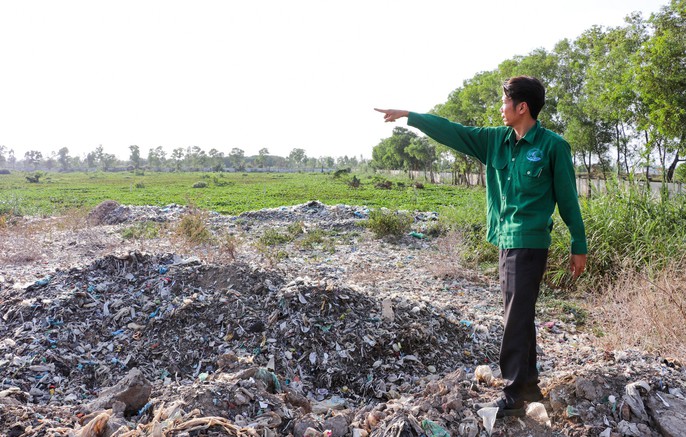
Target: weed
(272,237)
(384,185)
(200,184)
(354,182)
(228,246)
(139,184)
(317,237)
(340,172)
(296,228)
(385,223)
(141,231)
(193,229)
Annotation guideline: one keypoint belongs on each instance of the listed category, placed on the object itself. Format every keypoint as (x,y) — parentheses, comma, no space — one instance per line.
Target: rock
(338,425)
(669,413)
(560,397)
(305,423)
(587,389)
(134,391)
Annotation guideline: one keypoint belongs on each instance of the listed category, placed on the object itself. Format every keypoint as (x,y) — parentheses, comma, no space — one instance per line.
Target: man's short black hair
(526,89)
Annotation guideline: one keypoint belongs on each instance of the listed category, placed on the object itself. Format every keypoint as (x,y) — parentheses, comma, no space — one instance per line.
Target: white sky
(250,74)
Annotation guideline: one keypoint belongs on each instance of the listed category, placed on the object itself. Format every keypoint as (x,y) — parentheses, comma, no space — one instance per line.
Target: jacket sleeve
(469,140)
(564,186)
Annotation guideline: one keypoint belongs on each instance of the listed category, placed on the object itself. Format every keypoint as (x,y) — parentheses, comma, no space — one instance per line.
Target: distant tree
(237,159)
(178,157)
(261,158)
(297,157)
(33,158)
(135,156)
(50,161)
(390,152)
(11,158)
(91,160)
(63,158)
(216,159)
(107,161)
(3,159)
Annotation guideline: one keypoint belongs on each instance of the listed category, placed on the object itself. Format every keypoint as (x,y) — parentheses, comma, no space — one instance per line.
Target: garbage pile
(363,341)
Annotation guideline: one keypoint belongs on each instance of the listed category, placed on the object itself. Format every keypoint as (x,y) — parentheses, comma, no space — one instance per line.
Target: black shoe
(532,394)
(504,409)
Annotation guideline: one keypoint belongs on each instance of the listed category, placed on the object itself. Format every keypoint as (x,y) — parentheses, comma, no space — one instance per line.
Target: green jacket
(524,180)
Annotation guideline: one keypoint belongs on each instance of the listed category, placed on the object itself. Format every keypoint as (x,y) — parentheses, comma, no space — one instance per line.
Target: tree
(178,157)
(297,157)
(33,158)
(63,158)
(422,155)
(216,159)
(156,158)
(135,156)
(261,158)
(237,159)
(662,81)
(3,160)
(391,153)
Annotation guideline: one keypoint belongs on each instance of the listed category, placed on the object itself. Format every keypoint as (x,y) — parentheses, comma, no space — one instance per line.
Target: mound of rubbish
(361,340)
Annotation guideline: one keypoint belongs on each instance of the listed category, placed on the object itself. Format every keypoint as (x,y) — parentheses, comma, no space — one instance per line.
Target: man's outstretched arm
(391,115)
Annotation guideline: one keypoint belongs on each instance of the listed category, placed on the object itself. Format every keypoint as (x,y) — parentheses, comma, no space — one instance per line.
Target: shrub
(35,177)
(385,223)
(228,245)
(384,185)
(354,182)
(341,172)
(141,231)
(139,185)
(200,184)
(626,228)
(193,229)
(272,237)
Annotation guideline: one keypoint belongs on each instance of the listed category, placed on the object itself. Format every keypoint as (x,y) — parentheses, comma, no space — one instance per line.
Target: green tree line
(191,158)
(617,94)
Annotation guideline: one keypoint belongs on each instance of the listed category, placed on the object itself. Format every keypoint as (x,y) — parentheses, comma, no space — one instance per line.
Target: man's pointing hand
(391,115)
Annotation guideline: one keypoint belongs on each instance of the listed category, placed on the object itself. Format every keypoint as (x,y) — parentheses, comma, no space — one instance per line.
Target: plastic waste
(483,374)
(469,427)
(432,429)
(633,398)
(606,433)
(537,411)
(488,415)
(418,235)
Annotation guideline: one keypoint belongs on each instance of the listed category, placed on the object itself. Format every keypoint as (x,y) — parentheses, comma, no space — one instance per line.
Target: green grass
(226,193)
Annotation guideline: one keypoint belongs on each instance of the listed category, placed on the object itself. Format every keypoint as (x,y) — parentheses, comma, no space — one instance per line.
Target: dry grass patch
(451,262)
(637,312)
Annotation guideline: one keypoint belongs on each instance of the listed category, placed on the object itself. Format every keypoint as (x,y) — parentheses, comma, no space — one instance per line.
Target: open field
(226,193)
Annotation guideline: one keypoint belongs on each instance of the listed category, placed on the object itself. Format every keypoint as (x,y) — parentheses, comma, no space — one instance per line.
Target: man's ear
(523,108)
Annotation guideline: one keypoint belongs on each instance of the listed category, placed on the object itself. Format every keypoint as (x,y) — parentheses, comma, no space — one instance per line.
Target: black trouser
(521,272)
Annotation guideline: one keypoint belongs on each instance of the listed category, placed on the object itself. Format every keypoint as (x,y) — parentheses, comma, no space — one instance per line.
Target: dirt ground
(331,331)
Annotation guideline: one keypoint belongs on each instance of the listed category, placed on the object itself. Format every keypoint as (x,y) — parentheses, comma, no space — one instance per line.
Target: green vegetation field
(226,193)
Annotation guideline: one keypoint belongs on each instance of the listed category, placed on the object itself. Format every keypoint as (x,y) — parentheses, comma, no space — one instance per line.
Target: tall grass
(626,228)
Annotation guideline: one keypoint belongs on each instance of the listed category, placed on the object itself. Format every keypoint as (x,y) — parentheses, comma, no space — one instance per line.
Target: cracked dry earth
(342,334)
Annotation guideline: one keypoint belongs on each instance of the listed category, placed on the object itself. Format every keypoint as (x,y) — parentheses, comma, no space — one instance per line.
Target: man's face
(509,111)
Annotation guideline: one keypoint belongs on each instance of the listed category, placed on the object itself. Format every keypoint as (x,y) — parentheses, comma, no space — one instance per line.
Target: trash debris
(488,415)
(359,338)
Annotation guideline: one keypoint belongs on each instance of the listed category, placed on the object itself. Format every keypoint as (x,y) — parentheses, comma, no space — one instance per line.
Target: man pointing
(529,170)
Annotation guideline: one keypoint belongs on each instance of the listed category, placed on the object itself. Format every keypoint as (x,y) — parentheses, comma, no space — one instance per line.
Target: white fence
(581,183)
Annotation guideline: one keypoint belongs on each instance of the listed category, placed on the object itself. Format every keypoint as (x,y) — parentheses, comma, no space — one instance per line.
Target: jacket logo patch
(534,155)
